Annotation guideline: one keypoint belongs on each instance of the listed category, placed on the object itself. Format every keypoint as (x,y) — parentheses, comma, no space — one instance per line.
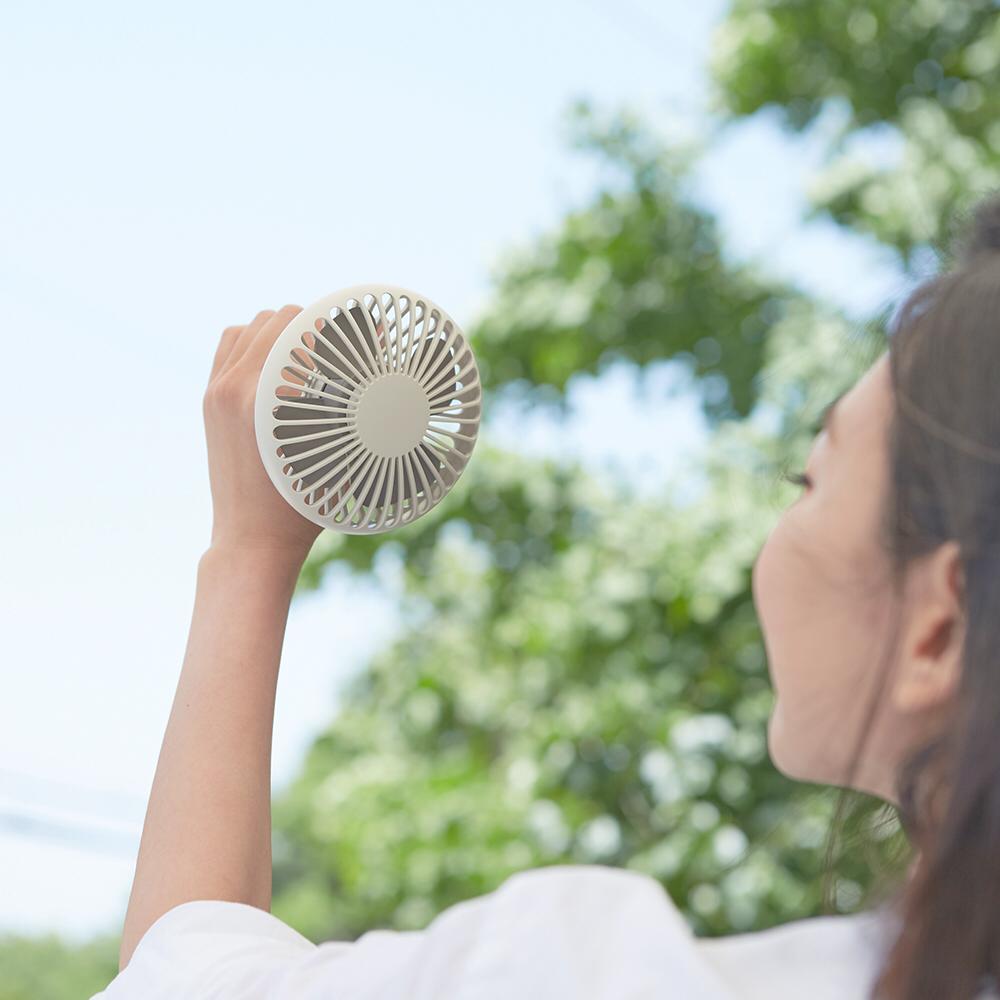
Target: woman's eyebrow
(828,413)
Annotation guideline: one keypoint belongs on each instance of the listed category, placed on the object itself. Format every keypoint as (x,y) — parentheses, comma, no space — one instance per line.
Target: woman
(893,545)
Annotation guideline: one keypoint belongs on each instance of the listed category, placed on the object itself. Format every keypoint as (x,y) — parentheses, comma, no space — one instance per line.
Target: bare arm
(207,832)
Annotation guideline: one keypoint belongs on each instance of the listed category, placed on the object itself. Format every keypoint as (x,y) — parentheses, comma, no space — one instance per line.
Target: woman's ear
(929,669)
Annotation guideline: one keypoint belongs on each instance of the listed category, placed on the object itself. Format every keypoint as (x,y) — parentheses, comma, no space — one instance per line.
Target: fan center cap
(393,413)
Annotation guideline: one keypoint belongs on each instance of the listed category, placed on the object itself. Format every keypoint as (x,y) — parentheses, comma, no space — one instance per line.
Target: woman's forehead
(869,398)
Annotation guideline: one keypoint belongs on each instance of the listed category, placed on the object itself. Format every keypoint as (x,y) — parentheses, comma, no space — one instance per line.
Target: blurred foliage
(578,673)
(48,968)
(637,275)
(923,76)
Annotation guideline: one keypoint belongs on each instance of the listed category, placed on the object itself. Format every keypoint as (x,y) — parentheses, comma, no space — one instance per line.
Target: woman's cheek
(768,581)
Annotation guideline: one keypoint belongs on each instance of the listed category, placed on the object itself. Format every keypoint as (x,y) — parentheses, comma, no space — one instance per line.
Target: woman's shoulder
(584,930)
(553,904)
(587,897)
(832,955)
(628,918)
(827,956)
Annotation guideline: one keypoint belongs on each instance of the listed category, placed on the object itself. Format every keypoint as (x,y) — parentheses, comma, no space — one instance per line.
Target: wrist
(275,556)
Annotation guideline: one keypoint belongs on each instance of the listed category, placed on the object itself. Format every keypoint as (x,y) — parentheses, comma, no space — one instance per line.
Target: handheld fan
(367,408)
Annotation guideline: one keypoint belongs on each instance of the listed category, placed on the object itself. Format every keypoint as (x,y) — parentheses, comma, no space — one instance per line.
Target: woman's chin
(774,725)
(777,742)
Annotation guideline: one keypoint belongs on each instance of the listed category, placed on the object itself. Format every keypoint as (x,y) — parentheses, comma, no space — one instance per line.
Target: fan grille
(378,406)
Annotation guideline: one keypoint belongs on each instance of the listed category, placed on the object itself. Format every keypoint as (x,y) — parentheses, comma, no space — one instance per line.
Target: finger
(267,334)
(246,337)
(226,342)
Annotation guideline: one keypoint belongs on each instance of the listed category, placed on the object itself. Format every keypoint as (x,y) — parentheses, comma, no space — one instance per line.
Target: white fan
(368,408)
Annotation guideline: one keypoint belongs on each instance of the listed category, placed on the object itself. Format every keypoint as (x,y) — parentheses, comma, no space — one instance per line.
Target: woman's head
(823,589)
(878,594)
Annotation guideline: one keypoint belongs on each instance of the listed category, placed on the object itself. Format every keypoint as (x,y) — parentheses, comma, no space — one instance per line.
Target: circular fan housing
(367,408)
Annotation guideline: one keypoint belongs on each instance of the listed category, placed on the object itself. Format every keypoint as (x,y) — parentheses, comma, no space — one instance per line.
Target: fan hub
(393,413)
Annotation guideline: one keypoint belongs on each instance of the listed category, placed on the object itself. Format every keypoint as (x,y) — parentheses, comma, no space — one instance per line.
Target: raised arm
(207,832)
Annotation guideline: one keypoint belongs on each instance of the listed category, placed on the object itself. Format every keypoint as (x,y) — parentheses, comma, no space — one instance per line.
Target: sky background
(170,170)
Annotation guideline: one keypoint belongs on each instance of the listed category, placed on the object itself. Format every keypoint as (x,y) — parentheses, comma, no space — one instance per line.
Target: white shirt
(586,932)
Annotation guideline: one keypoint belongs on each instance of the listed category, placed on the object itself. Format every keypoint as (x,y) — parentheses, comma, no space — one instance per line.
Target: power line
(106,805)
(131,798)
(25,824)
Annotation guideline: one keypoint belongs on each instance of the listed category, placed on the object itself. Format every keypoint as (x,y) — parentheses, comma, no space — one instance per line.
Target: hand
(248,511)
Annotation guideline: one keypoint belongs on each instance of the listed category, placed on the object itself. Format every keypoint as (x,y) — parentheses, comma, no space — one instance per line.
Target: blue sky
(172,169)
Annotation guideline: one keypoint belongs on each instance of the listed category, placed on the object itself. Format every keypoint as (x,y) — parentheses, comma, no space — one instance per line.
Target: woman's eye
(797,479)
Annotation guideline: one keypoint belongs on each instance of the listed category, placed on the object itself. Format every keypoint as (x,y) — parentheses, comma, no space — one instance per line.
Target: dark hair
(944,485)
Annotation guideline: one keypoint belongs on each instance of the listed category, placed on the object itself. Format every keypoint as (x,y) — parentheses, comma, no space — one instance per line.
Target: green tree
(48,968)
(923,75)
